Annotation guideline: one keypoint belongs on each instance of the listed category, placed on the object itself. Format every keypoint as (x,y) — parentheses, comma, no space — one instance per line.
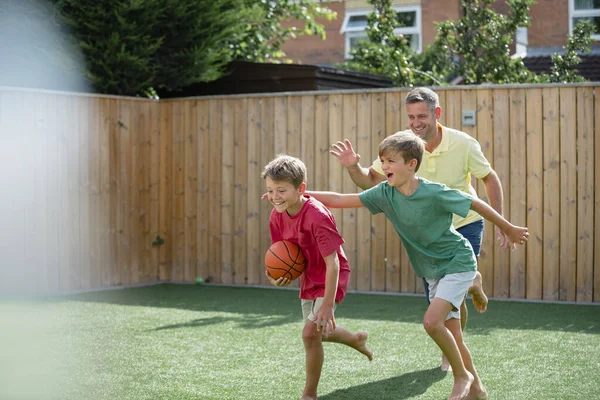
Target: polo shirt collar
(445,143)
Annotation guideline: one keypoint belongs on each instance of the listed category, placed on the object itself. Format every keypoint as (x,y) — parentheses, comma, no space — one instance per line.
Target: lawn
(215,342)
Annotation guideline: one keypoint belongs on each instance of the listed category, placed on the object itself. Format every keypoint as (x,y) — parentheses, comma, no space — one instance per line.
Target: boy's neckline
(415,185)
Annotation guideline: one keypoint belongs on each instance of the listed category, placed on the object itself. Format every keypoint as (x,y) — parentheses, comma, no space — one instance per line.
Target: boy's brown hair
(285,168)
(407,144)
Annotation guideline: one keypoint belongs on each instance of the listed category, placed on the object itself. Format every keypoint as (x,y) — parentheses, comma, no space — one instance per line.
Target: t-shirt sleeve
(455,201)
(326,235)
(478,165)
(370,198)
(377,167)
(274,228)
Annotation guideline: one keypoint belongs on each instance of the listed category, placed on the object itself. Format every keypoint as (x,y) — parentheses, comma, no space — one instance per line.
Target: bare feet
(480,300)
(361,345)
(445,364)
(461,388)
(477,392)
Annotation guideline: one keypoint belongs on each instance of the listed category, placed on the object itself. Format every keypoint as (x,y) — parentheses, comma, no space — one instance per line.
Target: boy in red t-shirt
(304,220)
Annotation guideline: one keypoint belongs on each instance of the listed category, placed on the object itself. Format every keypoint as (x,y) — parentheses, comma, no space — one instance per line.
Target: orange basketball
(285,258)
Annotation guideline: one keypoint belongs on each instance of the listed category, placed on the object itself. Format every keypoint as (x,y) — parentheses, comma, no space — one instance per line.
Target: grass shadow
(404,386)
(281,306)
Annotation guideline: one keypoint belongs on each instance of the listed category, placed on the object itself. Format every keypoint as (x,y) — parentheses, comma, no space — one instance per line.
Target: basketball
(285,258)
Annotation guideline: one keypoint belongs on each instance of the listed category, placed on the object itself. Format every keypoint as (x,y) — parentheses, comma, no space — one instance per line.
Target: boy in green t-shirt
(421,212)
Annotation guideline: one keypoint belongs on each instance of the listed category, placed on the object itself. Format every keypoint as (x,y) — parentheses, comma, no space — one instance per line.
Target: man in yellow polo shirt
(450,157)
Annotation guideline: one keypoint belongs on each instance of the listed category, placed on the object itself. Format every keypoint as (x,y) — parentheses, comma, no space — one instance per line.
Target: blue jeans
(473,232)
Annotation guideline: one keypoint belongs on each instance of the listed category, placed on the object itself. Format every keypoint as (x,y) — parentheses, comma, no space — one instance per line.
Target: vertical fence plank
(133,204)
(321,146)
(378,222)
(240,192)
(585,194)
(190,139)
(501,164)
(227,200)
(393,247)
(254,262)
(535,216)
(124,135)
(178,190)
(484,117)
(280,124)
(336,170)
(363,217)
(308,136)
(517,195)
(215,183)
(597,196)
(267,153)
(349,128)
(551,153)
(153,272)
(568,195)
(204,169)
(144,172)
(165,192)
(88,189)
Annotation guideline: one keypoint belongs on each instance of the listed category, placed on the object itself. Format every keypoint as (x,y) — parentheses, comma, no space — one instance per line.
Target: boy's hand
(277,282)
(345,153)
(503,239)
(264,196)
(517,235)
(325,319)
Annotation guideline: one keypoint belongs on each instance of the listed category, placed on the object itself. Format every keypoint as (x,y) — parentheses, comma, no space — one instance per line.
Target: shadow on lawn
(246,322)
(259,306)
(404,386)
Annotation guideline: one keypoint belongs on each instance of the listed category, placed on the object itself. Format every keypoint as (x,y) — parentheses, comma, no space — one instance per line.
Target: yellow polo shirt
(452,163)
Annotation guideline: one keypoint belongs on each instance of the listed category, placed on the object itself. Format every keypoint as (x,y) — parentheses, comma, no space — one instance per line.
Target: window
(521,42)
(355,23)
(585,10)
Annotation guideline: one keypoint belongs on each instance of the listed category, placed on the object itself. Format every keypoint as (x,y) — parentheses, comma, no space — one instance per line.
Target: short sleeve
(327,236)
(478,165)
(455,201)
(274,228)
(377,167)
(370,198)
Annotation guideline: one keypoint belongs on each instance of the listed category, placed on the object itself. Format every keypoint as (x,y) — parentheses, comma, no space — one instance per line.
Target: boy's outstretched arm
(516,234)
(337,200)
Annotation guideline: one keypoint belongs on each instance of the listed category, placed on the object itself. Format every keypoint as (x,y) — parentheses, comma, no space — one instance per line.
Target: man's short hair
(423,94)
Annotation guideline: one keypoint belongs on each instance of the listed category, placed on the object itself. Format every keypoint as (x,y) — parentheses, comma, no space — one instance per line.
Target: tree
(564,66)
(481,41)
(261,40)
(384,53)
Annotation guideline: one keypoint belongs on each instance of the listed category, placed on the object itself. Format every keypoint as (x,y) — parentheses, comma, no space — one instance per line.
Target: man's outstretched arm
(364,178)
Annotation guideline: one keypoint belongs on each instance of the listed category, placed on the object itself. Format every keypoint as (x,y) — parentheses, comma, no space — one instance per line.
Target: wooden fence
(91,182)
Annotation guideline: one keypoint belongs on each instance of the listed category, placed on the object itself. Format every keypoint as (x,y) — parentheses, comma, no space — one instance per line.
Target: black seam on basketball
(279,258)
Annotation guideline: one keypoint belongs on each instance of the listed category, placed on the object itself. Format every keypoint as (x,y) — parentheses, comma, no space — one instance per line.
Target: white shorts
(310,308)
(452,288)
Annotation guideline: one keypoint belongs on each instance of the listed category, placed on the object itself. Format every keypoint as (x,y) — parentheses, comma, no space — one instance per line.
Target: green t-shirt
(424,222)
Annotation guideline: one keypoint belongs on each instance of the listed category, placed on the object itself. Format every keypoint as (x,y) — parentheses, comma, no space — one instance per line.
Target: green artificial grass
(215,342)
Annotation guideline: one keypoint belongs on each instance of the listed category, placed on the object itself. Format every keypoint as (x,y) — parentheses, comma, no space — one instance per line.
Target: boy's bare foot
(480,300)
(477,392)
(361,345)
(461,388)
(445,364)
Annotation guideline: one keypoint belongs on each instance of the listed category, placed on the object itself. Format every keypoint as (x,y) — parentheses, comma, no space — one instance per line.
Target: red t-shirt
(314,230)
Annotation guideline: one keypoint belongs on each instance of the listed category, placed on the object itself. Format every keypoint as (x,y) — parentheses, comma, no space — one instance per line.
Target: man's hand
(345,153)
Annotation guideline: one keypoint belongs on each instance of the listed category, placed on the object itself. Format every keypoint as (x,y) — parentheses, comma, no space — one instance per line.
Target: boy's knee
(432,326)
(310,333)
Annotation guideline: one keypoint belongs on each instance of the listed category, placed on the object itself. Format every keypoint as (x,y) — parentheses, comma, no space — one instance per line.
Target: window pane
(357,21)
(595,21)
(413,40)
(355,39)
(408,18)
(587,4)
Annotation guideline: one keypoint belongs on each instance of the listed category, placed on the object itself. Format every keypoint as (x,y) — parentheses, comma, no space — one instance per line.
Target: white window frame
(582,13)
(358,32)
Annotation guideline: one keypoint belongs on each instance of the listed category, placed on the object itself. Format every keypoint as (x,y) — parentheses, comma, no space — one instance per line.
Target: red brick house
(551,23)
